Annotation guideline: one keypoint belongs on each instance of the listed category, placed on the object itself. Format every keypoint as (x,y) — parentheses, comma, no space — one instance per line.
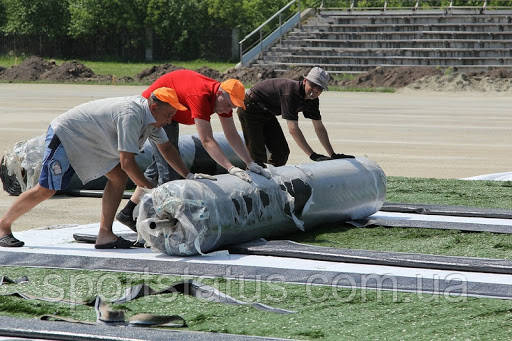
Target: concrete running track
(408,133)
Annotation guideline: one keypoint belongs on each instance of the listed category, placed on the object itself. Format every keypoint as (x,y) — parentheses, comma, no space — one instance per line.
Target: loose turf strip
(322,312)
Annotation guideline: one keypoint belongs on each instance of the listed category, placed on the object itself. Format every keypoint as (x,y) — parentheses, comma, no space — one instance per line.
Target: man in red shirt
(203,97)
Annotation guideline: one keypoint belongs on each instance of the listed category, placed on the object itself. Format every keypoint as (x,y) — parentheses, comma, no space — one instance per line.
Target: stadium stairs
(352,42)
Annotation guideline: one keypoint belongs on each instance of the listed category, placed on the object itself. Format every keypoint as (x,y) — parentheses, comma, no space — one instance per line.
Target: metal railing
(255,42)
(415,4)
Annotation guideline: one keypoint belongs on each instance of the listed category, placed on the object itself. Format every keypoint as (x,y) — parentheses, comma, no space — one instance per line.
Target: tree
(182,27)
(113,26)
(36,17)
(45,20)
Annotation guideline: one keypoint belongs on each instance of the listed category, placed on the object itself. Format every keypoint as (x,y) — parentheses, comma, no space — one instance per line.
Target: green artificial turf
(482,194)
(322,312)
(469,193)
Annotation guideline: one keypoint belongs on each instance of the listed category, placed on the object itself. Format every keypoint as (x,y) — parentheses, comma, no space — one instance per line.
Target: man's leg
(253,127)
(56,173)
(276,143)
(25,202)
(112,195)
(158,167)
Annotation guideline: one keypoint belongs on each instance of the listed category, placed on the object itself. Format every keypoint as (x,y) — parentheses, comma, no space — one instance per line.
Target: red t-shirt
(195,91)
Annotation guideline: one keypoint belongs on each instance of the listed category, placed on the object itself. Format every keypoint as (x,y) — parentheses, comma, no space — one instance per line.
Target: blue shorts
(56,171)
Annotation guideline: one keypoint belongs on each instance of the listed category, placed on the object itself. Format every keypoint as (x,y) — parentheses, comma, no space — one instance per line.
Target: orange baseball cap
(236,91)
(168,95)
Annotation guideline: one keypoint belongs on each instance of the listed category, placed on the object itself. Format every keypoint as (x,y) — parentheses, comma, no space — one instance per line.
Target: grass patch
(322,312)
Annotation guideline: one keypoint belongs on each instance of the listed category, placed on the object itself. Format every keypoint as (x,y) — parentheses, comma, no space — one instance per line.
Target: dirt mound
(209,72)
(250,75)
(29,70)
(297,73)
(68,71)
(396,77)
(151,74)
(493,80)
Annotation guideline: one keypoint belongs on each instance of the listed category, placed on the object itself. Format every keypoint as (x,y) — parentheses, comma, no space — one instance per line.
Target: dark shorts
(56,171)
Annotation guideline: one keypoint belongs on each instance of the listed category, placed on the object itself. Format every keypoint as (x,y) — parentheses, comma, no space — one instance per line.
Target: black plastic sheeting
(459,211)
(287,248)
(33,329)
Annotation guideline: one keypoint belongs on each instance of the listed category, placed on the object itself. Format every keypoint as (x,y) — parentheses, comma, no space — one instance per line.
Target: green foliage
(183,25)
(244,14)
(3,17)
(118,23)
(36,17)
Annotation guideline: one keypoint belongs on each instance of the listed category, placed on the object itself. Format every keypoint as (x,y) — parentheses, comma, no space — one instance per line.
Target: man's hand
(342,156)
(254,167)
(240,173)
(319,157)
(196,176)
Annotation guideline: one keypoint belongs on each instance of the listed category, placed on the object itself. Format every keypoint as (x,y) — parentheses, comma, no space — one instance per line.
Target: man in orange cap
(101,138)
(202,96)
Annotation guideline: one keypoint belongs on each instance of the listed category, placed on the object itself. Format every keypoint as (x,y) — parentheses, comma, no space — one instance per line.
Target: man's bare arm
(322,135)
(296,133)
(204,130)
(130,167)
(234,139)
(173,158)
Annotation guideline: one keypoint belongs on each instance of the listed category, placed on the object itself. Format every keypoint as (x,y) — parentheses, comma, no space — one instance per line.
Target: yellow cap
(236,91)
(168,95)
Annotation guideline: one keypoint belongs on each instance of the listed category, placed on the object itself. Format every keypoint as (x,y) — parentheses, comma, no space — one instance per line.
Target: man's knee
(41,192)
(117,176)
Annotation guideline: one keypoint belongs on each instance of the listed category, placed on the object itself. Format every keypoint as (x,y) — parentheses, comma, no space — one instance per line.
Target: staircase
(352,42)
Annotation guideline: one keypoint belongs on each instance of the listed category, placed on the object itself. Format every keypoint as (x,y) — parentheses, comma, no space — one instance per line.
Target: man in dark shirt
(285,97)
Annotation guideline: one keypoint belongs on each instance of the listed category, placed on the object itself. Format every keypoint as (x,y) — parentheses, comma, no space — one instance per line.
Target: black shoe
(127,220)
(10,241)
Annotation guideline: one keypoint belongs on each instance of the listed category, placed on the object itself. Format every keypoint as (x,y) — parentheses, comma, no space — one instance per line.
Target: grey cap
(318,76)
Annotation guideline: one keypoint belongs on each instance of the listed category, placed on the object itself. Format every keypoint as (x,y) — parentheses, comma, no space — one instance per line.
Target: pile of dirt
(395,77)
(250,75)
(36,68)
(416,78)
(210,73)
(298,73)
(498,80)
(29,70)
(68,71)
(151,74)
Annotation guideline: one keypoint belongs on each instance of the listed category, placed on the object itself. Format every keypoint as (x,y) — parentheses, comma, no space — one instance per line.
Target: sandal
(119,243)
(10,241)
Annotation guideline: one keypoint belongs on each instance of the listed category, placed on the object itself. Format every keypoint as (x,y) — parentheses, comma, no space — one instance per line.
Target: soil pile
(151,74)
(250,75)
(210,73)
(415,78)
(498,80)
(68,71)
(396,77)
(29,70)
(36,68)
(298,73)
